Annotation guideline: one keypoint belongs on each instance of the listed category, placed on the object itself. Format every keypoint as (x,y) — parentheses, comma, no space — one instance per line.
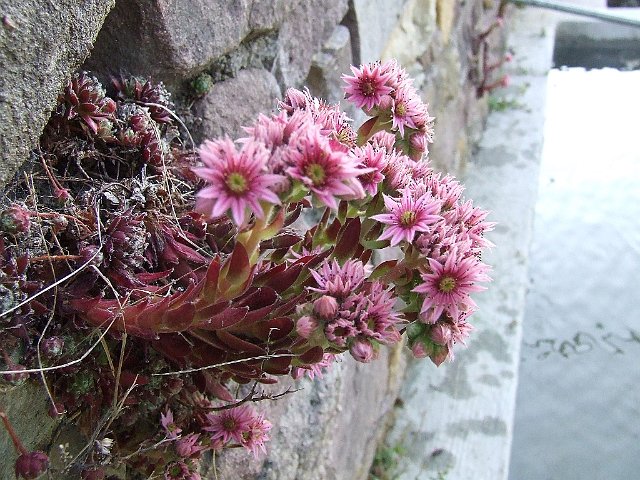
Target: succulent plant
(155,97)
(85,98)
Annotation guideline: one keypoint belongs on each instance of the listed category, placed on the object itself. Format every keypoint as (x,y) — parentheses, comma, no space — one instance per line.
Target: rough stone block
(170,40)
(329,64)
(41,44)
(329,430)
(234,103)
(306,26)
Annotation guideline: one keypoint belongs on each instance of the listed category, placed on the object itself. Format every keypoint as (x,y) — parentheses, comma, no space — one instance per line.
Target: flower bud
(440,354)
(326,306)
(362,350)
(305,326)
(31,465)
(441,334)
(419,350)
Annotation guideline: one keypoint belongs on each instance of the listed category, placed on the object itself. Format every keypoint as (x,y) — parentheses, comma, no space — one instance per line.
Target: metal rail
(599,14)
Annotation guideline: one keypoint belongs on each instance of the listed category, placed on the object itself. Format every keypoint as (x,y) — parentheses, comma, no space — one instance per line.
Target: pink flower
(406,106)
(374,159)
(408,216)
(230,424)
(305,326)
(237,180)
(188,446)
(447,287)
(368,84)
(255,437)
(338,281)
(171,429)
(326,172)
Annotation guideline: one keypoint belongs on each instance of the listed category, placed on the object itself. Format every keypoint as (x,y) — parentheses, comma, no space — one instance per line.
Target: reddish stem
(12,433)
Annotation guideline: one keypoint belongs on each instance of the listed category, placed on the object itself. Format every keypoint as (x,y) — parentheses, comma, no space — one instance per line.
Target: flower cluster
(384,180)
(208,274)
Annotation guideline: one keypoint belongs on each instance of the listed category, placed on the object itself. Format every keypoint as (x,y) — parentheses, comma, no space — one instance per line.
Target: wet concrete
(578,407)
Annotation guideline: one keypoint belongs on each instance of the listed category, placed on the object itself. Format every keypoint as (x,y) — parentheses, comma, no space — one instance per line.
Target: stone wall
(254,50)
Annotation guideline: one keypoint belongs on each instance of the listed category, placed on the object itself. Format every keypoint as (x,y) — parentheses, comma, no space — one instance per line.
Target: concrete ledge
(456,421)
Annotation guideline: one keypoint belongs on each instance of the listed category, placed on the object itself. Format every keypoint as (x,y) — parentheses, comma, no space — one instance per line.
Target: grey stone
(329,64)
(234,103)
(306,26)
(41,44)
(171,40)
(378,18)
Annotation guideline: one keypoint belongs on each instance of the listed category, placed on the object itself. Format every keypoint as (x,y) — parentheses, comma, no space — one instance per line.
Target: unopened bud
(441,334)
(305,326)
(326,306)
(362,350)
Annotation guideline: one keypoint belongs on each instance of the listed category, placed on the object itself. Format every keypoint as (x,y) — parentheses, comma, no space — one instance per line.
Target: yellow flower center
(447,284)
(237,183)
(316,173)
(401,109)
(407,218)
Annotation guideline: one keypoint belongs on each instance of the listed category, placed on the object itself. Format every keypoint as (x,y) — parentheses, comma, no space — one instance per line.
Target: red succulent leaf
(311,356)
(239,344)
(236,272)
(213,387)
(225,319)
(348,240)
(256,298)
(128,378)
(210,287)
(287,307)
(292,215)
(331,232)
(284,239)
(277,365)
(273,329)
(280,277)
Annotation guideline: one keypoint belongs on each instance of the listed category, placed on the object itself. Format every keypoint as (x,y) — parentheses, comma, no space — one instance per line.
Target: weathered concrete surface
(328,430)
(41,44)
(234,103)
(458,419)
